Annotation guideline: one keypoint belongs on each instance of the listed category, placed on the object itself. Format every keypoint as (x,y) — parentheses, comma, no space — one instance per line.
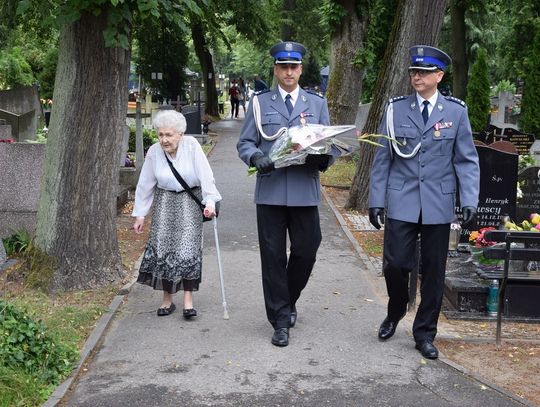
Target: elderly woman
(173,256)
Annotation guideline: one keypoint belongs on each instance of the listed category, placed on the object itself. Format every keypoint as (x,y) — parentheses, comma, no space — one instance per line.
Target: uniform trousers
(399,260)
(284,278)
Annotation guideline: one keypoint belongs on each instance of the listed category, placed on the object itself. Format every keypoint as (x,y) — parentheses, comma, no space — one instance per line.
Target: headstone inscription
(529,181)
(522,141)
(498,186)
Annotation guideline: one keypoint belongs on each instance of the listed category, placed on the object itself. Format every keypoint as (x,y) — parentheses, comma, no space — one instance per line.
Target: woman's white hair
(170,118)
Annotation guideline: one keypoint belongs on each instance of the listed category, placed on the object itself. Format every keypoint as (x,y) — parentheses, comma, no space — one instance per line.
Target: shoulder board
(314,93)
(455,100)
(392,100)
(260,92)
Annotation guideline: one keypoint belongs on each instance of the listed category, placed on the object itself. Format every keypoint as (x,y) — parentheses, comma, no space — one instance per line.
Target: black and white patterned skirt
(173,257)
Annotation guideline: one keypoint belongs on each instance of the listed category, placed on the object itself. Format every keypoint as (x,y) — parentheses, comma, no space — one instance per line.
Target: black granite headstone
(529,181)
(498,187)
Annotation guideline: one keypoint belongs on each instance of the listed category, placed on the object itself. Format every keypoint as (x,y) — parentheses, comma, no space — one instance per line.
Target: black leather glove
(263,164)
(318,160)
(376,215)
(469,216)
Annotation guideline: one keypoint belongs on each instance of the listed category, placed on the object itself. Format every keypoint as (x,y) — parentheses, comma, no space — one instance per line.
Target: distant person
(259,84)
(414,183)
(287,198)
(242,94)
(235,101)
(172,259)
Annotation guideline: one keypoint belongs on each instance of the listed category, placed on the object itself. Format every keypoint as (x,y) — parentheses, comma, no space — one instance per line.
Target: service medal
(437,126)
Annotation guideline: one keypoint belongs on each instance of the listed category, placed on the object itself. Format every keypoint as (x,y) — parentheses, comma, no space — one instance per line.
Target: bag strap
(184,184)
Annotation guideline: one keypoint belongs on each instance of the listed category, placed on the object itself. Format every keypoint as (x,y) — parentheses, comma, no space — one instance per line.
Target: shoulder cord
(257,116)
(390,128)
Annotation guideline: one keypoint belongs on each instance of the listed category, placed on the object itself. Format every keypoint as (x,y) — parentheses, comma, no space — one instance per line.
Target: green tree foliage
(530,104)
(478,93)
(14,69)
(162,48)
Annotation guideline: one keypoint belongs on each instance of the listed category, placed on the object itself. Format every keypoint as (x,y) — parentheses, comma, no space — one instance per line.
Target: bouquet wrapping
(294,145)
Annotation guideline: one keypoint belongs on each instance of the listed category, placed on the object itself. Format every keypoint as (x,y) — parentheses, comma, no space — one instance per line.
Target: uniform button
(422,179)
(422,164)
(424,137)
(423,150)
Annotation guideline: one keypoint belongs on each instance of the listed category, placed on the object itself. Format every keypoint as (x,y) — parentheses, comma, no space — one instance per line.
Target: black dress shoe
(387,329)
(294,316)
(281,337)
(188,313)
(427,349)
(164,311)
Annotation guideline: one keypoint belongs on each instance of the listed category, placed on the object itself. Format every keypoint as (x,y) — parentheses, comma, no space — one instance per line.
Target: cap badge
(421,51)
(288,46)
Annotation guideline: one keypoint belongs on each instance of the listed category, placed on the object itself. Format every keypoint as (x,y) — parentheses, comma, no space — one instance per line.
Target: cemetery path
(334,357)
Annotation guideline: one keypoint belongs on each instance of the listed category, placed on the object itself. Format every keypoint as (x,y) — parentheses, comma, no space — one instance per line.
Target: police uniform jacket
(296,185)
(426,183)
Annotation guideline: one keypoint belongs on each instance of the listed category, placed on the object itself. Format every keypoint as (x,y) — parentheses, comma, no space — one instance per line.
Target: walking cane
(225,313)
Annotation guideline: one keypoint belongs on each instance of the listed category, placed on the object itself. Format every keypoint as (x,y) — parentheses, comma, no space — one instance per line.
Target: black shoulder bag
(187,188)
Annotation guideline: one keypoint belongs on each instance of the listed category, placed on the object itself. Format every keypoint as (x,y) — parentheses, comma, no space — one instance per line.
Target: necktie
(288,103)
(425,112)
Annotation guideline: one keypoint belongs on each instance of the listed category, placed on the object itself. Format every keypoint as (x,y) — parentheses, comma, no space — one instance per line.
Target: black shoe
(387,329)
(294,316)
(427,349)
(162,312)
(188,313)
(281,337)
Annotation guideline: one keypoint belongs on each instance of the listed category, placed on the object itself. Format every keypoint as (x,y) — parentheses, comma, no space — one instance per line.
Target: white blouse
(190,162)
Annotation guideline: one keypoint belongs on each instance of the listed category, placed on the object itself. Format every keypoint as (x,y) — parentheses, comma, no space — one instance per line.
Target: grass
(340,174)
(70,316)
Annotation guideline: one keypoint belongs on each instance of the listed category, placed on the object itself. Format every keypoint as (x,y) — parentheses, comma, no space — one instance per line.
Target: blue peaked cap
(288,52)
(428,58)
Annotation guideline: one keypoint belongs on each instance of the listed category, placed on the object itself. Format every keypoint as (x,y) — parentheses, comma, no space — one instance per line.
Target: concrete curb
(89,347)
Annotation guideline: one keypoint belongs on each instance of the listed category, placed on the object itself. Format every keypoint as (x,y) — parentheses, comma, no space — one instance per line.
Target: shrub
(478,93)
(149,138)
(17,243)
(530,103)
(26,344)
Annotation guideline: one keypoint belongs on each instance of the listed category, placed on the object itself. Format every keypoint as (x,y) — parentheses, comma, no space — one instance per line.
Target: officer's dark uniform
(287,198)
(416,181)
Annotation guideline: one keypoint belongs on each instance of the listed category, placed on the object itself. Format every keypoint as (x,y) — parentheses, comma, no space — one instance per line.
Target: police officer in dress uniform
(415,178)
(287,198)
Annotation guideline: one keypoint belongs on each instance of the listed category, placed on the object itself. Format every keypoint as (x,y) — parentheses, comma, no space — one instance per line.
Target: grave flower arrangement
(477,243)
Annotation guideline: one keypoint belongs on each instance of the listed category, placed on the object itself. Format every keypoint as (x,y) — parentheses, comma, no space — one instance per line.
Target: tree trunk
(207,68)
(460,64)
(288,24)
(345,82)
(77,207)
(415,22)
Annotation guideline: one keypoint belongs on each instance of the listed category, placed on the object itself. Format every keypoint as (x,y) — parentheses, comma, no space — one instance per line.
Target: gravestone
(522,141)
(505,99)
(529,180)
(498,186)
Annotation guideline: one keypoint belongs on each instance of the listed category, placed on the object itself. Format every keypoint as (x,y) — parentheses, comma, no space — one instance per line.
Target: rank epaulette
(260,92)
(455,100)
(314,93)
(392,100)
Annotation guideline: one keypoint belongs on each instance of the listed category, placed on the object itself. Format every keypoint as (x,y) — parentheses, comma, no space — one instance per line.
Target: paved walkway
(334,358)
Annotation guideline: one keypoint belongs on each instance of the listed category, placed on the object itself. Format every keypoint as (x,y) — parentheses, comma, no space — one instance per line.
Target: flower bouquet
(477,243)
(293,146)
